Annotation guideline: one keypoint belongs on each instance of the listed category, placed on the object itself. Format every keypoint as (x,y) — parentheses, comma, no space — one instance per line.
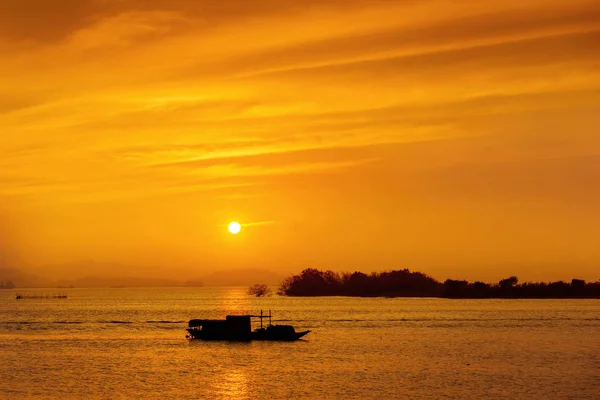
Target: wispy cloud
(251,224)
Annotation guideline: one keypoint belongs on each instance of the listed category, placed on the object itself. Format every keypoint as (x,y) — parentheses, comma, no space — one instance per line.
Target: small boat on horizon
(239,328)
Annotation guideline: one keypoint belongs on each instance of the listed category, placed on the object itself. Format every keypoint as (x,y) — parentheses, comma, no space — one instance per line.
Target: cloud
(441,37)
(255,223)
(44,21)
(124,30)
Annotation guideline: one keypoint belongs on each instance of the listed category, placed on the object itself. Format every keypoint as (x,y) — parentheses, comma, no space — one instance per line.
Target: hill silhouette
(98,274)
(404,283)
(20,278)
(242,277)
(120,281)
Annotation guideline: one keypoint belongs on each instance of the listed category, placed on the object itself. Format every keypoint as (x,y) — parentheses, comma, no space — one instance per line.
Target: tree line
(404,283)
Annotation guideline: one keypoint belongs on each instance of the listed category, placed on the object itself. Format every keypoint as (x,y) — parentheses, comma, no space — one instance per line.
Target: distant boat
(239,328)
(29,296)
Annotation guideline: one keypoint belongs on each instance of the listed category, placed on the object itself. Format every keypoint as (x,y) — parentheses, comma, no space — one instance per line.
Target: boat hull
(260,335)
(203,335)
(265,336)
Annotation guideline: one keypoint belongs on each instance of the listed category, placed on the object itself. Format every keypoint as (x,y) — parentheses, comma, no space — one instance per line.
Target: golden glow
(234,228)
(456,138)
(233,384)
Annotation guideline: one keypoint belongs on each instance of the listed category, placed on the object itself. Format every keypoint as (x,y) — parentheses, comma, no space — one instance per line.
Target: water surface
(130,343)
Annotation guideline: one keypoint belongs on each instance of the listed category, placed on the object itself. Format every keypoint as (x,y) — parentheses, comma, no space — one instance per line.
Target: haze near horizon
(460,140)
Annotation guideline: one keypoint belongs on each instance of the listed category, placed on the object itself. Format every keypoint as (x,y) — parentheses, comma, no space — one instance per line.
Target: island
(404,283)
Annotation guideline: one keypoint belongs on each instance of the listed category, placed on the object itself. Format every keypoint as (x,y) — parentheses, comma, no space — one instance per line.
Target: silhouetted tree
(396,283)
(577,283)
(259,290)
(508,282)
(454,288)
(312,282)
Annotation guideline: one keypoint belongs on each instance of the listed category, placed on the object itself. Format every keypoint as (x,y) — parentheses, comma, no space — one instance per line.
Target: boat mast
(261,316)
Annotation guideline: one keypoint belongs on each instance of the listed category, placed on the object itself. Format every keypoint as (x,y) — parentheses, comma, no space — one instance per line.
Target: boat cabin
(233,327)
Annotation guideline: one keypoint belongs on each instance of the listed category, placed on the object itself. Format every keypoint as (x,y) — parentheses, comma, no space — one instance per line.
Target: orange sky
(457,138)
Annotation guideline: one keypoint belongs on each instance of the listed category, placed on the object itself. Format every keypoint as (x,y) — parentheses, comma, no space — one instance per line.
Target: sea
(130,343)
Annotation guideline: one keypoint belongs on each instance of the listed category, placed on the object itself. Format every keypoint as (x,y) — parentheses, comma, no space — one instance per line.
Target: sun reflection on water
(234,301)
(232,385)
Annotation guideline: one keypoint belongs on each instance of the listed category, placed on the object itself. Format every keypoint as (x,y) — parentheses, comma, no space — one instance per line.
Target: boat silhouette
(239,328)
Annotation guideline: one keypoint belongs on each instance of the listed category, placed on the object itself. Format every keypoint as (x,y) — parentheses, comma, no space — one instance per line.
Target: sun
(235,228)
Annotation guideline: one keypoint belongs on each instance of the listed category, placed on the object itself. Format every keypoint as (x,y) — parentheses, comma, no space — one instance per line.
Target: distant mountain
(90,268)
(122,281)
(242,277)
(99,274)
(193,283)
(22,279)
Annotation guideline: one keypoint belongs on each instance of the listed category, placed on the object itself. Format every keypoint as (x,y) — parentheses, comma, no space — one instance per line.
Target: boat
(239,328)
